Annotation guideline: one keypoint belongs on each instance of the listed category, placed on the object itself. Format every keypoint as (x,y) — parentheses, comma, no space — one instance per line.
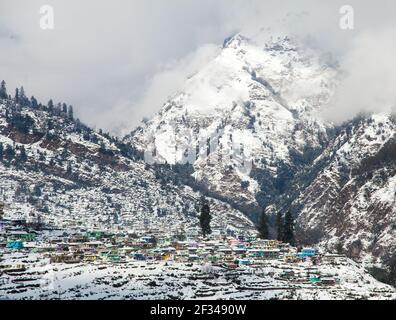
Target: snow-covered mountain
(248,125)
(54,167)
(244,130)
(245,122)
(351,203)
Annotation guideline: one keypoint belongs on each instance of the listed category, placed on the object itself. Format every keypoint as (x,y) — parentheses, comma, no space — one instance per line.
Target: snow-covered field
(173,280)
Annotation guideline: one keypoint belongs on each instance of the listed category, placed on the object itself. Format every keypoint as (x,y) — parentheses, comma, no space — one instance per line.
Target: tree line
(284,225)
(20,98)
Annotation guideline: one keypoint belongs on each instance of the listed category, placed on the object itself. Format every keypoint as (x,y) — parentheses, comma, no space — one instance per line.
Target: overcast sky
(117,61)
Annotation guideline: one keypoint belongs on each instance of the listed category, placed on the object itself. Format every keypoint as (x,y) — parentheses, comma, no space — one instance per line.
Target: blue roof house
(15,245)
(307,253)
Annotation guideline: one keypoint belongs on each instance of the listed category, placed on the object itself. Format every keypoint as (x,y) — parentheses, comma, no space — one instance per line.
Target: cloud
(116,61)
(368,85)
(167,82)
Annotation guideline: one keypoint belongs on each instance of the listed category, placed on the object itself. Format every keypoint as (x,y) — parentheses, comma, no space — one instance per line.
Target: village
(242,260)
(96,246)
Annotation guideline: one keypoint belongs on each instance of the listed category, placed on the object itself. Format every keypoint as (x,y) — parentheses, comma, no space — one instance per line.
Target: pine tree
(279,226)
(205,218)
(1,210)
(58,109)
(70,113)
(78,126)
(16,95)
(23,100)
(50,106)
(288,229)
(37,191)
(22,93)
(263,225)
(69,169)
(1,151)
(3,90)
(33,102)
(10,152)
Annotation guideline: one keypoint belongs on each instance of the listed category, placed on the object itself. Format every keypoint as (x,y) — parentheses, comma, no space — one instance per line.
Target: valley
(246,134)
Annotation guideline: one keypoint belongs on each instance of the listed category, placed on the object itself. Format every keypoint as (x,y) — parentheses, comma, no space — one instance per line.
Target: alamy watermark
(224,149)
(47,17)
(347,20)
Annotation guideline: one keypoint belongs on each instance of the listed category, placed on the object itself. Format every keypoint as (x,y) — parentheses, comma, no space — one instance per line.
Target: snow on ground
(174,280)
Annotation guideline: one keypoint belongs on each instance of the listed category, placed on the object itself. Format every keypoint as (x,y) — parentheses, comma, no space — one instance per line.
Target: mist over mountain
(132,56)
(245,130)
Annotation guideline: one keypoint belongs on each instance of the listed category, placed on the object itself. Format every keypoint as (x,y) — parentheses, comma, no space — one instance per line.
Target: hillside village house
(95,246)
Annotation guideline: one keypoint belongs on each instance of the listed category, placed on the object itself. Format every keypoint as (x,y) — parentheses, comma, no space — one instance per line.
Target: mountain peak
(250,104)
(235,41)
(281,42)
(247,71)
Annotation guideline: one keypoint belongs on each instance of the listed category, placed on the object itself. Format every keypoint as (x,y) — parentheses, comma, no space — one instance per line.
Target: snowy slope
(73,176)
(247,123)
(249,112)
(352,201)
(174,280)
